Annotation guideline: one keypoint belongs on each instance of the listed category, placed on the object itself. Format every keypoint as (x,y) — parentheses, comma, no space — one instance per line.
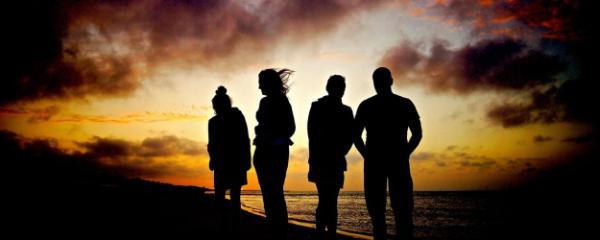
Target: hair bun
(221,90)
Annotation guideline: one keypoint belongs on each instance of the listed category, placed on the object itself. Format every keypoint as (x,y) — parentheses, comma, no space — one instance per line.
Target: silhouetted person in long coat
(275,127)
(386,117)
(330,135)
(229,150)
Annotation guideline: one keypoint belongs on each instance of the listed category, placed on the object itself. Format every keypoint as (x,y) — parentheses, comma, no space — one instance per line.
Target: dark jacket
(275,122)
(229,148)
(330,135)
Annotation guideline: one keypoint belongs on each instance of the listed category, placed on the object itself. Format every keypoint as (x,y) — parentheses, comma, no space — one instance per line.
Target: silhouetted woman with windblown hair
(229,150)
(275,127)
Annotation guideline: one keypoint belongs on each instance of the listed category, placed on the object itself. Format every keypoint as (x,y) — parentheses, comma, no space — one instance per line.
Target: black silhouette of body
(229,150)
(330,134)
(275,127)
(386,118)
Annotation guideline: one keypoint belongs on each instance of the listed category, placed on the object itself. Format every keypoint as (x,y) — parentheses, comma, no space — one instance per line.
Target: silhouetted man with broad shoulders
(386,118)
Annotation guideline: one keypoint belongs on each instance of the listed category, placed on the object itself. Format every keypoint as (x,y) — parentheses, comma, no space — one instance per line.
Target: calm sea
(437,215)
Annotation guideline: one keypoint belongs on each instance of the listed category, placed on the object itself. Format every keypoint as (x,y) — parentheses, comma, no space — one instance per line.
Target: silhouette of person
(275,127)
(330,135)
(386,118)
(229,151)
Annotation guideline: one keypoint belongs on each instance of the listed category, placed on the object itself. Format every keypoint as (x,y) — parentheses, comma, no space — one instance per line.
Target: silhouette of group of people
(332,130)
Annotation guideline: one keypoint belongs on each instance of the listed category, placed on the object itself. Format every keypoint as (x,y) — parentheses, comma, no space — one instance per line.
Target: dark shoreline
(131,208)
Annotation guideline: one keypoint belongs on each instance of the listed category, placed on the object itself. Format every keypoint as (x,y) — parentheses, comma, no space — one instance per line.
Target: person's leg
(234,194)
(280,161)
(375,196)
(264,174)
(319,216)
(332,213)
(401,196)
(220,208)
(271,167)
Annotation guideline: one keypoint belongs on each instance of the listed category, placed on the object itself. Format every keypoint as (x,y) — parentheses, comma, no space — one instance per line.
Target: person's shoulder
(408,105)
(403,100)
(212,120)
(346,108)
(316,102)
(371,99)
(276,99)
(237,111)
(264,99)
(368,101)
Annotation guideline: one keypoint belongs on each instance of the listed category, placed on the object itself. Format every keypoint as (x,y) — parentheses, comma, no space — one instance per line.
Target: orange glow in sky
(147,77)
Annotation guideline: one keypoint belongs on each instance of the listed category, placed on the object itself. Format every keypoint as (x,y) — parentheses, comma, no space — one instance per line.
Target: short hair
(383,74)
(335,81)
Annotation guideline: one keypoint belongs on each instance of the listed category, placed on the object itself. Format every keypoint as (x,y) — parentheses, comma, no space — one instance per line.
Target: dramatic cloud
(547,58)
(542,106)
(153,157)
(501,64)
(107,48)
(558,19)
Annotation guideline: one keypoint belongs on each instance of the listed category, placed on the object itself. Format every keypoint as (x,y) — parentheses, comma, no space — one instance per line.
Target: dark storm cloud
(548,58)
(102,155)
(541,107)
(39,65)
(543,49)
(500,64)
(140,159)
(169,146)
(64,49)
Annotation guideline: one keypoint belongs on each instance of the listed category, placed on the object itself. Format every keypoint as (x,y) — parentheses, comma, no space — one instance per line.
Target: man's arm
(416,135)
(415,129)
(359,126)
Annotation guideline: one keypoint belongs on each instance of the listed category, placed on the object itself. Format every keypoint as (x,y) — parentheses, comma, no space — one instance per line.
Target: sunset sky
(502,87)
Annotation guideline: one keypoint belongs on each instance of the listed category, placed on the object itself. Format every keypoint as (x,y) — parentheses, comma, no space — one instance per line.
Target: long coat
(229,148)
(330,135)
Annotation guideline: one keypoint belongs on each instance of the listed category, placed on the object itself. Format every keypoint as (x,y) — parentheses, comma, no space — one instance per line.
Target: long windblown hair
(276,81)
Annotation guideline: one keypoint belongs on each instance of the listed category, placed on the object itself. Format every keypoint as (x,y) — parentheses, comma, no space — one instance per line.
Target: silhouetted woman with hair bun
(229,150)
(275,127)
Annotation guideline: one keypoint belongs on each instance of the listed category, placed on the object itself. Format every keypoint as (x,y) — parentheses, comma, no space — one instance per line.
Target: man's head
(336,85)
(382,80)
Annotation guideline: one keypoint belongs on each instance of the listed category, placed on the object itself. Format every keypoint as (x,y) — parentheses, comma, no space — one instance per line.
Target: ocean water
(437,215)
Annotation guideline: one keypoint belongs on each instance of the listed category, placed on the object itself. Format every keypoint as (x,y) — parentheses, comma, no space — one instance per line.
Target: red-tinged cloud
(556,19)
(61,49)
(547,56)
